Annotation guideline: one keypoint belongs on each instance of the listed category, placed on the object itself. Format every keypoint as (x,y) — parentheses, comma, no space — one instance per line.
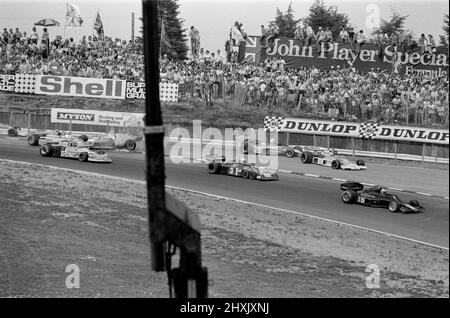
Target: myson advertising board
(356,130)
(94,117)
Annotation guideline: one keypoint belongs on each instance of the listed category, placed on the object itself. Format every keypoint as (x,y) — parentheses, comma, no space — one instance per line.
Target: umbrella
(47,22)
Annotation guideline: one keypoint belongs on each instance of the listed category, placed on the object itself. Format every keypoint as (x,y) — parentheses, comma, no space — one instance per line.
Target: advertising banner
(80,86)
(7,83)
(24,83)
(168,92)
(345,54)
(356,130)
(94,117)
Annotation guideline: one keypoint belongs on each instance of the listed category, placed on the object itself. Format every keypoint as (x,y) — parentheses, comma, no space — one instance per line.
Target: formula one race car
(51,137)
(271,148)
(329,158)
(75,150)
(377,196)
(240,169)
(11,131)
(115,140)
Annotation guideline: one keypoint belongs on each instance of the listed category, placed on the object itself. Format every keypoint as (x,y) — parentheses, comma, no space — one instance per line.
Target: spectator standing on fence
(195,40)
(46,37)
(263,35)
(299,34)
(320,38)
(351,37)
(34,37)
(431,44)
(310,36)
(360,40)
(343,36)
(379,42)
(273,34)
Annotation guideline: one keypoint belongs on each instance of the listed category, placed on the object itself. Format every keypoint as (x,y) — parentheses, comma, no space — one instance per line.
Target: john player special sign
(343,54)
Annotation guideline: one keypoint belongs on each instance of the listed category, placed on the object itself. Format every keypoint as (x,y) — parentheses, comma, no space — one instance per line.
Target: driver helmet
(382,190)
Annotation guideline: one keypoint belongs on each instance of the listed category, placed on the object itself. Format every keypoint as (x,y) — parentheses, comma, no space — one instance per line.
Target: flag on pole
(98,26)
(73,17)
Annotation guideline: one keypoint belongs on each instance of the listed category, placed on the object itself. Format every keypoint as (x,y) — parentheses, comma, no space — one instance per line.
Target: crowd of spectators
(90,57)
(336,92)
(340,92)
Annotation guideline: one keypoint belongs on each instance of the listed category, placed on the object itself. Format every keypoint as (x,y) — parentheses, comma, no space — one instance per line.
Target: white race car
(51,137)
(115,140)
(330,158)
(11,131)
(74,149)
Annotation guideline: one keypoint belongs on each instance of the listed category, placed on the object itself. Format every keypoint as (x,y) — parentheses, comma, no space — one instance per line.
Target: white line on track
(236,200)
(311,175)
(396,189)
(427,194)
(285,171)
(337,179)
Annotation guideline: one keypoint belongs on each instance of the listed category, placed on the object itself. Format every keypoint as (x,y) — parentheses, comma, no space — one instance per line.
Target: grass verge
(53,218)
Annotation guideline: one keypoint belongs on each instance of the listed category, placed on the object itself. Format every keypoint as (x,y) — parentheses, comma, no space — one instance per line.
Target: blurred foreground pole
(172,225)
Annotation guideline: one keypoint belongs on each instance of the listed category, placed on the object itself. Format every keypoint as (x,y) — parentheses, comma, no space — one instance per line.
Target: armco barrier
(401,150)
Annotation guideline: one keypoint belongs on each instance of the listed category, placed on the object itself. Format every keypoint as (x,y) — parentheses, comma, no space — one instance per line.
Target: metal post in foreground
(29,122)
(172,225)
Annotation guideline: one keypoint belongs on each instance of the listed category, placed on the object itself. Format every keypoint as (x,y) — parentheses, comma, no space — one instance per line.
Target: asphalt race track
(312,196)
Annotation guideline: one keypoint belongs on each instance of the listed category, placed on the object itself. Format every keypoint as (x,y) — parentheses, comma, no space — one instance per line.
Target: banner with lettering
(434,64)
(95,117)
(168,91)
(356,130)
(7,83)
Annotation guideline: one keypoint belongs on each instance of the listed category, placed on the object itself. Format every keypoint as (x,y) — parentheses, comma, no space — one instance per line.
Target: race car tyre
(33,140)
(360,162)
(245,174)
(335,164)
(83,157)
(46,150)
(214,168)
(349,196)
(290,153)
(84,138)
(130,144)
(306,157)
(12,132)
(393,206)
(252,175)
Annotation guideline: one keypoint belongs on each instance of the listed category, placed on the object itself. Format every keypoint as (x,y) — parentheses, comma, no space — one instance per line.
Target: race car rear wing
(353,185)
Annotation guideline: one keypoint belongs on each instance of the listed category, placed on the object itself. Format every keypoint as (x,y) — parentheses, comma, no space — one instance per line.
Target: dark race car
(271,148)
(240,169)
(376,196)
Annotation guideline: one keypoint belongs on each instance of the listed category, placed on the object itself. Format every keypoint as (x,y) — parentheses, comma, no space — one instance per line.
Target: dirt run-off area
(51,218)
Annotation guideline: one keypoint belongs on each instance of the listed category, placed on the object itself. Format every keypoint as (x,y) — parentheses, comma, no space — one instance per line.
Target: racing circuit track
(316,197)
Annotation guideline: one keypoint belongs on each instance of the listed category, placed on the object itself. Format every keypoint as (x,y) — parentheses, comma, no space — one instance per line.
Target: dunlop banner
(93,117)
(356,130)
(80,86)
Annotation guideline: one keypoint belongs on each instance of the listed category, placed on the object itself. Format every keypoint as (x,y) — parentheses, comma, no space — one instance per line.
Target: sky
(213,18)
